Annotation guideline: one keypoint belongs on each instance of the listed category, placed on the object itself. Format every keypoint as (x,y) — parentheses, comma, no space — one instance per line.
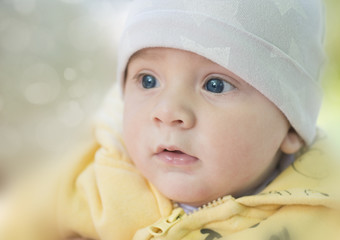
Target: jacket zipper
(162,226)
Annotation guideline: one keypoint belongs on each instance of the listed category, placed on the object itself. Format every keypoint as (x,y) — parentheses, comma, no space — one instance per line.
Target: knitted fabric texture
(274,45)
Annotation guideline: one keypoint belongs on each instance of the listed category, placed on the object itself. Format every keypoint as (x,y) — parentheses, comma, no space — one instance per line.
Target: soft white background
(57,61)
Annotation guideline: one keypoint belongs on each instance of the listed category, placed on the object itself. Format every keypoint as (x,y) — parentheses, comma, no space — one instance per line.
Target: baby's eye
(216,85)
(149,81)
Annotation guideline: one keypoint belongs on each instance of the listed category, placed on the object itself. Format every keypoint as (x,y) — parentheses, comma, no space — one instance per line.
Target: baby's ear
(292,143)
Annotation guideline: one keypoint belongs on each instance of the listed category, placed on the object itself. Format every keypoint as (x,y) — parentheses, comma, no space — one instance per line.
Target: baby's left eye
(216,85)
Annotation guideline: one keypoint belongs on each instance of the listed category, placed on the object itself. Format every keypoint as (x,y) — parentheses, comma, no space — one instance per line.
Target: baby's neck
(187,208)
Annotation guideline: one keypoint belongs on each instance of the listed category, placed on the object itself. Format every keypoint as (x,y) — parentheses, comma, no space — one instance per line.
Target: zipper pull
(163,225)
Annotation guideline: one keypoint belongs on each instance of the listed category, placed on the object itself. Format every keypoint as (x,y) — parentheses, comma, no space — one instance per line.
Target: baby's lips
(171,148)
(176,158)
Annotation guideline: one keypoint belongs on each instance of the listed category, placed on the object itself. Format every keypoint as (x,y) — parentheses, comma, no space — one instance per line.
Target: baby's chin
(193,196)
(192,188)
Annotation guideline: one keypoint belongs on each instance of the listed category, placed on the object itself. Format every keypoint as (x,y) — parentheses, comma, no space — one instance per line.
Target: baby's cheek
(129,139)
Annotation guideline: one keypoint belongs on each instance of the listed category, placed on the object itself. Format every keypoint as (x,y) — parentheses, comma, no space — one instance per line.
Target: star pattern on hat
(221,54)
(287,5)
(295,51)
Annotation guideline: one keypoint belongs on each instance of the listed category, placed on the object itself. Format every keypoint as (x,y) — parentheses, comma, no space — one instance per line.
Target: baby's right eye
(149,81)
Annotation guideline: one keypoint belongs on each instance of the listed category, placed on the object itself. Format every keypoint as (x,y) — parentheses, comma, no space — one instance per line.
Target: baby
(198,132)
(219,96)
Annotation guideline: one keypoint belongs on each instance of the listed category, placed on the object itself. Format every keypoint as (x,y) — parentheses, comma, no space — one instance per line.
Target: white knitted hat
(274,45)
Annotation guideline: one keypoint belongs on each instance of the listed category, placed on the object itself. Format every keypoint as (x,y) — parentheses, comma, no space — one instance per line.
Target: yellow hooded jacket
(108,199)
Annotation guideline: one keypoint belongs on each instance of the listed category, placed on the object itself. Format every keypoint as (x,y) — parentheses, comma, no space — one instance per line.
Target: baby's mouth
(174,156)
(176,151)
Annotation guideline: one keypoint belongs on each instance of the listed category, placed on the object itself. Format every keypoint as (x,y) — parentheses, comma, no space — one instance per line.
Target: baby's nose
(174,111)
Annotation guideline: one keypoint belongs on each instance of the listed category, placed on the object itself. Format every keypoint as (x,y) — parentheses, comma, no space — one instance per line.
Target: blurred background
(329,119)
(57,61)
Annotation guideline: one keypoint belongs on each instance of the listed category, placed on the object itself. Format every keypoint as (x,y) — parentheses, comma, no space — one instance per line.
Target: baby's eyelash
(138,76)
(137,79)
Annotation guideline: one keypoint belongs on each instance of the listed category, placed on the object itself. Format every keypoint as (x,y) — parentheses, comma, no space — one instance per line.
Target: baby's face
(194,130)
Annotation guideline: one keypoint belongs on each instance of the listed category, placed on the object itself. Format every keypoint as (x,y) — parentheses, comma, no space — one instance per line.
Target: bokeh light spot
(40,84)
(38,93)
